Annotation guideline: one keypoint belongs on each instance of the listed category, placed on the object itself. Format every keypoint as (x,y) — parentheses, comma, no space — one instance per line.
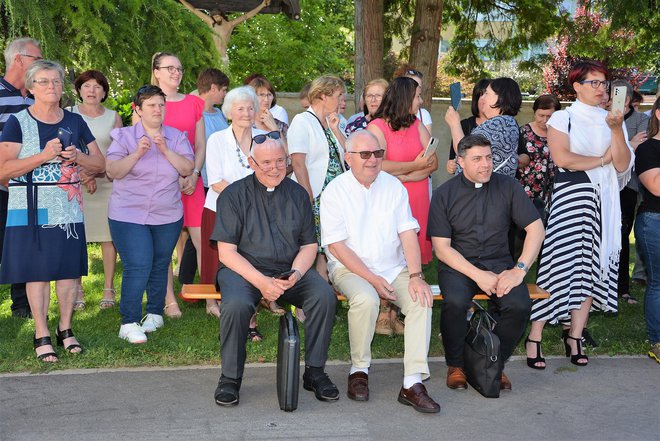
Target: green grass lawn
(193,339)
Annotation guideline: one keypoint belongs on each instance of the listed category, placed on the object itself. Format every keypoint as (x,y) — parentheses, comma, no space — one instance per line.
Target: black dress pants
(628,198)
(513,312)
(239,301)
(18,294)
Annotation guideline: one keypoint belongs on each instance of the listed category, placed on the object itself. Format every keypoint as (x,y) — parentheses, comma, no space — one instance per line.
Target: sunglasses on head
(414,73)
(260,139)
(366,154)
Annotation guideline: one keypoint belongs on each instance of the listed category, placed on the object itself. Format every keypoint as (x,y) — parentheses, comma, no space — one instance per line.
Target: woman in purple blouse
(145,213)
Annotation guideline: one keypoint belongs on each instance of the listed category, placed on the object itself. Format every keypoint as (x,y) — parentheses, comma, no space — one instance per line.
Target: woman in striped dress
(580,256)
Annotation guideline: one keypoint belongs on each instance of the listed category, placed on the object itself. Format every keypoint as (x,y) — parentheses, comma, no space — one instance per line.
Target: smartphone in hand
(619,99)
(455,95)
(285,275)
(431,147)
(64,135)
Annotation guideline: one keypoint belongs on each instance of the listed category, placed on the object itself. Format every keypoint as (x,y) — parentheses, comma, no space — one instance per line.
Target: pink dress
(403,146)
(183,115)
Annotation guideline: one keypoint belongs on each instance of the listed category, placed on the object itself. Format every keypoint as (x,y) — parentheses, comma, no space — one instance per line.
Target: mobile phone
(619,99)
(431,147)
(285,275)
(64,135)
(455,95)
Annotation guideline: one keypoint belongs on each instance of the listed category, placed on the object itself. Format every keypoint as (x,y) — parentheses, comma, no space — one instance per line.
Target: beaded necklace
(238,151)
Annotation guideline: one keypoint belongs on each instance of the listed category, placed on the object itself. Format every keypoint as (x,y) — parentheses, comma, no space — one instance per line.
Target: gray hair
(37,67)
(627,85)
(353,138)
(16,47)
(243,93)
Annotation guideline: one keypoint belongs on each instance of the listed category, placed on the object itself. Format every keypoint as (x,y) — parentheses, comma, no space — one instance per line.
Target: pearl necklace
(238,151)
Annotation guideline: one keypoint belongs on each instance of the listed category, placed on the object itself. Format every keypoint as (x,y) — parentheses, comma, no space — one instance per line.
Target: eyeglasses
(260,139)
(596,83)
(44,82)
(366,154)
(266,95)
(267,166)
(414,73)
(36,57)
(373,97)
(172,69)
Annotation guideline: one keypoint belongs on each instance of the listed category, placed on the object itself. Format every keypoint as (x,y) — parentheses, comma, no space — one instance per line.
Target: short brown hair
(209,77)
(91,75)
(546,102)
(261,82)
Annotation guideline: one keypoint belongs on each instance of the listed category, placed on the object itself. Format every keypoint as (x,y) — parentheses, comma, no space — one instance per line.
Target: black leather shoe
(323,388)
(226,394)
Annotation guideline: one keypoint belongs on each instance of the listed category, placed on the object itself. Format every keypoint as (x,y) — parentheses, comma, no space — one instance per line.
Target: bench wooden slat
(202,291)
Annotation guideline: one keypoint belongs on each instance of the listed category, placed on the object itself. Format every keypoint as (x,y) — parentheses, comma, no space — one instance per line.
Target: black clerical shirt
(268,227)
(477,219)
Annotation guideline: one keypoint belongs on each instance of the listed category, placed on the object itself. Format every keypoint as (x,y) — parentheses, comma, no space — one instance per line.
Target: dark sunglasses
(414,73)
(367,154)
(260,139)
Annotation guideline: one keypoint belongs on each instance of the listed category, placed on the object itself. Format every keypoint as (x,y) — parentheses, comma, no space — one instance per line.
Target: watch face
(521,266)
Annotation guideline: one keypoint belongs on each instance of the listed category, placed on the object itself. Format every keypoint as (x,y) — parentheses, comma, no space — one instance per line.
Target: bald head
(269,144)
(357,138)
(364,169)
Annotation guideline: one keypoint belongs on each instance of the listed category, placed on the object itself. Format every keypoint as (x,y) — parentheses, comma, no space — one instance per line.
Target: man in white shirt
(370,238)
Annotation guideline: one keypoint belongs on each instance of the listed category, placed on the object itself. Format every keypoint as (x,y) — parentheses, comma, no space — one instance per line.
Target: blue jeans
(647,237)
(145,252)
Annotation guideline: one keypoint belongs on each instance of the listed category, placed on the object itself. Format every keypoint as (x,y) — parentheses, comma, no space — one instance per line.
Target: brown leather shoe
(505,383)
(419,399)
(456,378)
(358,386)
(398,327)
(384,327)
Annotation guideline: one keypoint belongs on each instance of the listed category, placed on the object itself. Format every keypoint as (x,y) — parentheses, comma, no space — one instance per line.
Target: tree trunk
(368,43)
(424,43)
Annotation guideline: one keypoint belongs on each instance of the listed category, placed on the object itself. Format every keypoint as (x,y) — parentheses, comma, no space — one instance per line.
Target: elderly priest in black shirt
(265,227)
(469,221)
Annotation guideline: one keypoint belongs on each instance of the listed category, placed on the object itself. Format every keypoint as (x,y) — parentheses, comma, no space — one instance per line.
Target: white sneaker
(151,322)
(133,333)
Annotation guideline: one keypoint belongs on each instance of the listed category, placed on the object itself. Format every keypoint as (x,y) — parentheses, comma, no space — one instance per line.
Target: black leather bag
(288,363)
(481,354)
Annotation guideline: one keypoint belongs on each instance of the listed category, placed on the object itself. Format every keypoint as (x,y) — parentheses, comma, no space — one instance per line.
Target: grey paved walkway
(611,399)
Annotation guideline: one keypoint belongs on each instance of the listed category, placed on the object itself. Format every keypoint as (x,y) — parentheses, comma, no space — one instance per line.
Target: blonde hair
(324,85)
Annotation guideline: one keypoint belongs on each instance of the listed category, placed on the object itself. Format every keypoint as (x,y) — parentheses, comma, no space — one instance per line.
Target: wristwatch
(521,266)
(419,274)
(197,172)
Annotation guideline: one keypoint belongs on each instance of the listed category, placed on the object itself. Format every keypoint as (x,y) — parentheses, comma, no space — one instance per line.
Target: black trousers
(188,263)
(628,200)
(18,294)
(239,301)
(512,312)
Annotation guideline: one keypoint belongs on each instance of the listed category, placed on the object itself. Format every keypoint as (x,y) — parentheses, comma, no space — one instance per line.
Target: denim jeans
(647,237)
(145,252)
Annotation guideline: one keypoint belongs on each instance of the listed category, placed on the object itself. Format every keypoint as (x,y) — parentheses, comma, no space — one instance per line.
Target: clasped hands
(272,288)
(500,284)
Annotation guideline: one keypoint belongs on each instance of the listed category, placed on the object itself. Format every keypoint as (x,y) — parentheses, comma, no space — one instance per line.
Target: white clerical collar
(270,188)
(478,185)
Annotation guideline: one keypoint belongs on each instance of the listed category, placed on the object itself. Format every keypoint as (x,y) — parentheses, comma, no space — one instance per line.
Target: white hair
(243,93)
(37,67)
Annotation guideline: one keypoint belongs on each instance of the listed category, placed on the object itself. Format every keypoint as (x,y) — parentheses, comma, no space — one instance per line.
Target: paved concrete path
(611,399)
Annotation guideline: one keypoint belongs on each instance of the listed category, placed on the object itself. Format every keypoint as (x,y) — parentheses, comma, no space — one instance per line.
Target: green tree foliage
(291,53)
(629,34)
(509,26)
(116,37)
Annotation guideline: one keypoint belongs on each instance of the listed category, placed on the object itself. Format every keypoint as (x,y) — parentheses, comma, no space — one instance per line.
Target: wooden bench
(199,292)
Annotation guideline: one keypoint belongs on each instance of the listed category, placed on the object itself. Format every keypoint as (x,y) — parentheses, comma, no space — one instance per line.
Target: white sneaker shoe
(151,322)
(133,333)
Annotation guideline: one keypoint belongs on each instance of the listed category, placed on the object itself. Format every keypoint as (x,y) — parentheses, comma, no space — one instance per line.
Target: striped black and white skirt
(569,267)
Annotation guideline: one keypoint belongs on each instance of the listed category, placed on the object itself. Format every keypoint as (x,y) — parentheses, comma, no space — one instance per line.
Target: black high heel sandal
(531,362)
(67,333)
(579,356)
(45,341)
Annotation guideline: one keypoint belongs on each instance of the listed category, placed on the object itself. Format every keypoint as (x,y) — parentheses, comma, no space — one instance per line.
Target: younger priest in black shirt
(469,222)
(265,226)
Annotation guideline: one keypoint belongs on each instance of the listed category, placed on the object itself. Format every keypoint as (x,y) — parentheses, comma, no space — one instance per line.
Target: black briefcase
(288,363)
(481,354)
